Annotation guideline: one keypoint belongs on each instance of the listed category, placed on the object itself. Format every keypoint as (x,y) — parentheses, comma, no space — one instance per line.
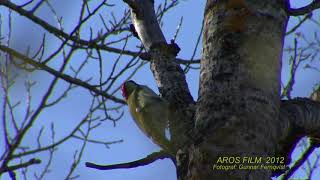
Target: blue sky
(71,110)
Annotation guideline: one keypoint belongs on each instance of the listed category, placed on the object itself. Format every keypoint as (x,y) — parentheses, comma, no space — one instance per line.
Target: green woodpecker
(150,112)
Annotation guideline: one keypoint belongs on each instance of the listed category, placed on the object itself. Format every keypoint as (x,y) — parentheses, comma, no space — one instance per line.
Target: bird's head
(127,88)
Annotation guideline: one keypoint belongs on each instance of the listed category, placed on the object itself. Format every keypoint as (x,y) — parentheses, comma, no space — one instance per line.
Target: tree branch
(308,16)
(146,57)
(303,115)
(141,162)
(299,117)
(304,10)
(164,68)
(301,160)
(167,72)
(21,165)
(55,73)
(314,143)
(87,43)
(145,22)
(51,29)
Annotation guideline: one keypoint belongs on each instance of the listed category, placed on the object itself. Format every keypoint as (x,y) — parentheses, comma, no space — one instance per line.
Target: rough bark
(239,85)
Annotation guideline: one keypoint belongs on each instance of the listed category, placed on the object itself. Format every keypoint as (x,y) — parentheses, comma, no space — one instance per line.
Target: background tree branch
(55,73)
(133,164)
(21,165)
(303,158)
(315,4)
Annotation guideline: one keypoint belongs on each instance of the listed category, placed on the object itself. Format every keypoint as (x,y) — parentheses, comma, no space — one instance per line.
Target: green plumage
(150,112)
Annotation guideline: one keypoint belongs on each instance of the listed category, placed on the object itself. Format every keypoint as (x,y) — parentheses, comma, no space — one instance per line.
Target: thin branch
(106,144)
(62,140)
(294,64)
(76,159)
(300,161)
(80,42)
(141,162)
(299,24)
(187,68)
(12,175)
(19,137)
(178,29)
(26,3)
(304,10)
(57,32)
(37,6)
(51,152)
(60,75)
(21,165)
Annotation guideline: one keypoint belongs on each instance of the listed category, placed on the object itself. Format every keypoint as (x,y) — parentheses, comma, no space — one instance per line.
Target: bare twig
(20,165)
(51,152)
(141,162)
(299,24)
(60,75)
(315,4)
(300,161)
(187,68)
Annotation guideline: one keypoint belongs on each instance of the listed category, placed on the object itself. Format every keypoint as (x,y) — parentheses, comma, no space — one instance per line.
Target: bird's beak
(123,91)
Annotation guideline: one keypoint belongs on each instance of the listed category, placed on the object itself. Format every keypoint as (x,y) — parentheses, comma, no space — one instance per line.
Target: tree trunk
(238,107)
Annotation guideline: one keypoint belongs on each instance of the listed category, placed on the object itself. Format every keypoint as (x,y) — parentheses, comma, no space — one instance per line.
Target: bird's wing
(148,90)
(151,116)
(146,97)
